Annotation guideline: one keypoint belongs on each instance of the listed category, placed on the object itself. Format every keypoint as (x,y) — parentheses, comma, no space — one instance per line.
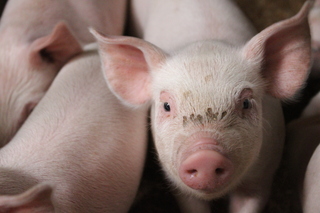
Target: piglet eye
(166,106)
(246,104)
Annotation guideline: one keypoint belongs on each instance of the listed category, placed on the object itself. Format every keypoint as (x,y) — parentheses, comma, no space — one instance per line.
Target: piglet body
(303,136)
(173,24)
(311,184)
(80,145)
(37,37)
(303,156)
(216,116)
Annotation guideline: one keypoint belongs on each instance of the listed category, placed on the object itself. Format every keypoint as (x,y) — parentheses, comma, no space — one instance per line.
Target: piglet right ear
(285,51)
(314,22)
(127,62)
(35,199)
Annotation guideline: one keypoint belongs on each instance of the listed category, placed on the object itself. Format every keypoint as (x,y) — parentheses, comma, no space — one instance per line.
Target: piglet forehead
(207,75)
(206,63)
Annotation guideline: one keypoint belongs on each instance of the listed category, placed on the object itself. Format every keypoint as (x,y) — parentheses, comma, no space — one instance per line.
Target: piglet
(37,37)
(311,184)
(304,156)
(216,117)
(171,25)
(81,149)
(302,139)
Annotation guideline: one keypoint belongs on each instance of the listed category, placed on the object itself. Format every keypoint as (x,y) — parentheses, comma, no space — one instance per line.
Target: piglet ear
(36,199)
(127,63)
(56,48)
(314,22)
(285,52)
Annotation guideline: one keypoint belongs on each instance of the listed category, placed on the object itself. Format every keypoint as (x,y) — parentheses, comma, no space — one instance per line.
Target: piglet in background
(80,150)
(302,158)
(305,132)
(311,185)
(216,115)
(37,37)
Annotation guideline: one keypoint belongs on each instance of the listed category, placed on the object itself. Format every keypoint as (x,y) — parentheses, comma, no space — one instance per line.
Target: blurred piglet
(80,145)
(216,117)
(303,136)
(302,139)
(302,158)
(311,185)
(37,37)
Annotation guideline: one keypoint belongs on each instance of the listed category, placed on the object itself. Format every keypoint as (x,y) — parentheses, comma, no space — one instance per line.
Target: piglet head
(27,71)
(207,98)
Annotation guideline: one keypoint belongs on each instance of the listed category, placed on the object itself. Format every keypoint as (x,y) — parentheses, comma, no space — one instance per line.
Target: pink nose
(205,170)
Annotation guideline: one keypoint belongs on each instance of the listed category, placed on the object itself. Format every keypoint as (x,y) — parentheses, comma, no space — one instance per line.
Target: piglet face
(207,117)
(26,72)
(19,94)
(207,98)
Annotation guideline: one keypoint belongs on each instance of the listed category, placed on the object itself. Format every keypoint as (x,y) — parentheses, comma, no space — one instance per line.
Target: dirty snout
(204,166)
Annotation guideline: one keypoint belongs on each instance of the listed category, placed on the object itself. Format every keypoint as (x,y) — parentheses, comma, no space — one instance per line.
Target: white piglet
(311,184)
(37,37)
(216,117)
(173,24)
(304,156)
(302,163)
(80,150)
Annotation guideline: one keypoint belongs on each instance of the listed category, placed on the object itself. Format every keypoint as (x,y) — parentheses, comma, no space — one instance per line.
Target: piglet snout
(206,170)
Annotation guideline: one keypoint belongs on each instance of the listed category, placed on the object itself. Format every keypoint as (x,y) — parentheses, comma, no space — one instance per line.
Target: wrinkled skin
(37,38)
(216,117)
(81,149)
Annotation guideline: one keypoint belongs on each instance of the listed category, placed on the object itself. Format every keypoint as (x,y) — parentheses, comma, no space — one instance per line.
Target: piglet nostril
(192,172)
(219,171)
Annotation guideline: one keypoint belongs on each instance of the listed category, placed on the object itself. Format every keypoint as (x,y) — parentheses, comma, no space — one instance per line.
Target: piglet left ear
(56,48)
(285,53)
(127,65)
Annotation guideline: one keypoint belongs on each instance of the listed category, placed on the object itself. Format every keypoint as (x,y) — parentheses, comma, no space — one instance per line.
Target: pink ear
(314,22)
(56,48)
(36,199)
(284,49)
(127,63)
